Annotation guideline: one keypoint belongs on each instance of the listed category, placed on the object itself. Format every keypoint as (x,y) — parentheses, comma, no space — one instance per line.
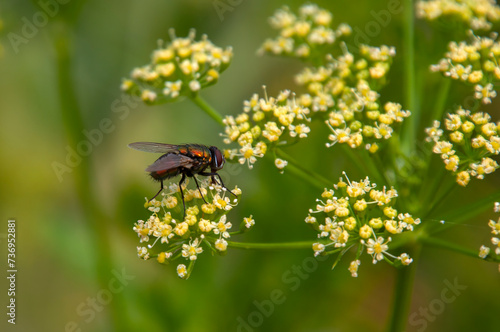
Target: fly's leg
(213,175)
(198,186)
(223,185)
(182,193)
(161,188)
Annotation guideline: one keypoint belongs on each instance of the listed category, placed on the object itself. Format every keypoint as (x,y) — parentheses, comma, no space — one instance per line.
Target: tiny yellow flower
(463,178)
(350,223)
(405,259)
(360,205)
(169,202)
(318,248)
(377,248)
(353,268)
(249,222)
(181,228)
(221,244)
(390,212)
(365,232)
(484,252)
(182,271)
(376,223)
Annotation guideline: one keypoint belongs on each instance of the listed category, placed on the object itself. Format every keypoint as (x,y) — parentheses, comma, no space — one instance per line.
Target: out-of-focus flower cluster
(484,251)
(168,235)
(467,142)
(181,68)
(265,123)
(308,34)
(361,216)
(346,89)
(475,63)
(477,14)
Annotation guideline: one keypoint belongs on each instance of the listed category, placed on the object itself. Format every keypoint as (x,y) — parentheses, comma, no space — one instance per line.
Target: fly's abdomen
(165,174)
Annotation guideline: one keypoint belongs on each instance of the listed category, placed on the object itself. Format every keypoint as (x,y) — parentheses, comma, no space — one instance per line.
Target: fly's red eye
(218,160)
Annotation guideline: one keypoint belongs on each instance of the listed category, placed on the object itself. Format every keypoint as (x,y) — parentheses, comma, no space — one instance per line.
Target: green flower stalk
(169,236)
(359,216)
(180,68)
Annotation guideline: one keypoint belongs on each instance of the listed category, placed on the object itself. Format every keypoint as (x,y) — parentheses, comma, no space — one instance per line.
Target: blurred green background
(71,242)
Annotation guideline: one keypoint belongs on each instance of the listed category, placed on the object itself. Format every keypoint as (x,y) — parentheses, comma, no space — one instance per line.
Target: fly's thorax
(196,151)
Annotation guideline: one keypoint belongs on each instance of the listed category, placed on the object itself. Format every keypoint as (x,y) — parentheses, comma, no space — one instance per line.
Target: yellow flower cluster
(346,88)
(477,14)
(484,251)
(167,236)
(475,63)
(304,35)
(264,124)
(466,144)
(359,216)
(341,90)
(181,68)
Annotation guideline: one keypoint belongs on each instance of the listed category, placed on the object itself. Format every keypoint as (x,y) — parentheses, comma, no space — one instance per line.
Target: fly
(187,160)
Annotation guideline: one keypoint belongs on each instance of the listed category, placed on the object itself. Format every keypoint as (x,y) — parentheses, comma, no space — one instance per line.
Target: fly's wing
(170,161)
(153,147)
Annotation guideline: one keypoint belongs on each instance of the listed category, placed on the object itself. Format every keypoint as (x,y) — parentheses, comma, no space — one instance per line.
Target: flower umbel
(342,88)
(169,237)
(359,216)
(467,144)
(307,33)
(180,68)
(266,122)
(474,63)
(477,14)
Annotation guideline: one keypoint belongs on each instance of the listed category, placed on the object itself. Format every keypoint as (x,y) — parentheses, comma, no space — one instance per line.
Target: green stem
(310,176)
(465,212)
(267,246)
(436,202)
(377,171)
(436,178)
(402,294)
(201,103)
(443,244)
(427,192)
(406,275)
(410,124)
(358,162)
(441,99)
